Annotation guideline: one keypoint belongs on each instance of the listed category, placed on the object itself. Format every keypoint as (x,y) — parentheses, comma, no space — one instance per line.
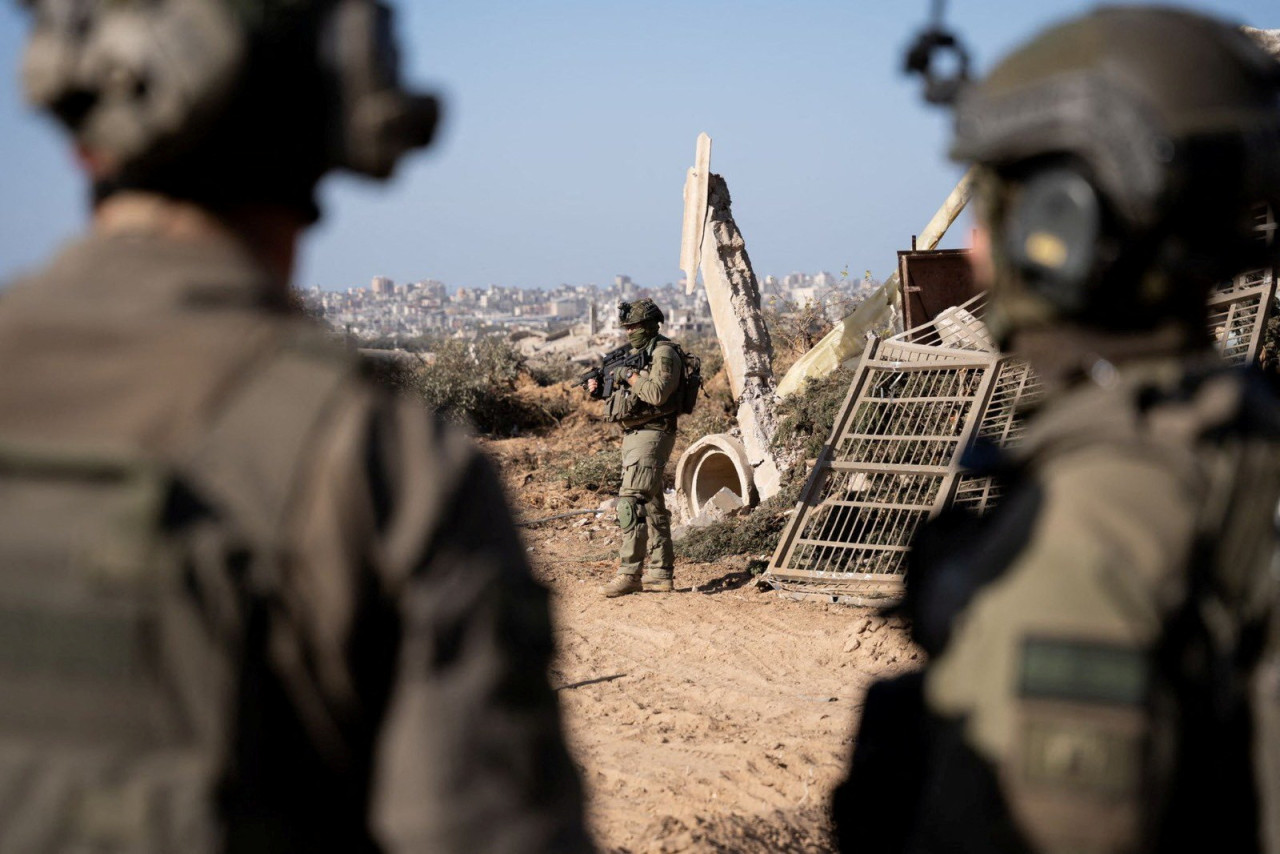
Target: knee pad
(630,512)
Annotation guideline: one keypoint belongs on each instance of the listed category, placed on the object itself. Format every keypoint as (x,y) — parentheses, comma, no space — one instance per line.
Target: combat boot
(657,583)
(621,585)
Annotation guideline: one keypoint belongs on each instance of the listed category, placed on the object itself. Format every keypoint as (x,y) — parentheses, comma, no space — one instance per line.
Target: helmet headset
(226,101)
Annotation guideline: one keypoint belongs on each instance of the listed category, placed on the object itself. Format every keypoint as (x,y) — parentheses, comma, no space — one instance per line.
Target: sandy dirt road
(714,718)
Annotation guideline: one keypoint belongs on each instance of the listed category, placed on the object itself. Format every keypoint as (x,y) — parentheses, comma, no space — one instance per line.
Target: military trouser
(642,512)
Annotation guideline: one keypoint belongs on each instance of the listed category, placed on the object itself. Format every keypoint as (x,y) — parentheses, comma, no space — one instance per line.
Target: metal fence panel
(916,402)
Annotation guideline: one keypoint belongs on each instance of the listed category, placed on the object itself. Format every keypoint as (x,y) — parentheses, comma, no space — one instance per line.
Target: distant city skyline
(378,281)
(569,125)
(401,311)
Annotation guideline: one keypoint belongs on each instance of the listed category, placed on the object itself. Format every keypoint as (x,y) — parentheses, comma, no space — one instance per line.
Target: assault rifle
(622,357)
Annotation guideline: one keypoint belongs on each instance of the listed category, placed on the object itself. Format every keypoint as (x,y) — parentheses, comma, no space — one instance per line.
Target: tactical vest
(130,589)
(637,413)
(1211,744)
(1164,748)
(1220,657)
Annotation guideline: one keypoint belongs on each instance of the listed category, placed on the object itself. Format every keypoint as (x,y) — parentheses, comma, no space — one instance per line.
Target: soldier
(1095,642)
(645,404)
(248,600)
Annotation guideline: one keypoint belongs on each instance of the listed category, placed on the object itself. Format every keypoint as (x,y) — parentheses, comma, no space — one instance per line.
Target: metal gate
(1238,314)
(916,402)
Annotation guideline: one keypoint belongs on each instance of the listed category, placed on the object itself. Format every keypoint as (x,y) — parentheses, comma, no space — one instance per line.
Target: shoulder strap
(248,462)
(1213,639)
(249,466)
(667,342)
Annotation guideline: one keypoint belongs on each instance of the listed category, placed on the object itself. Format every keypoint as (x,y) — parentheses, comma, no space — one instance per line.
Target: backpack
(691,384)
(686,396)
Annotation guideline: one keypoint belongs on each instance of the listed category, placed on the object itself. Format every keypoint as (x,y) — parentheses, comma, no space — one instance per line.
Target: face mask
(637,337)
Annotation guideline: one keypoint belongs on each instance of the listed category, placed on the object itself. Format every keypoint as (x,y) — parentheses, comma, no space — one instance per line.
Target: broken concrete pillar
(849,336)
(695,213)
(733,295)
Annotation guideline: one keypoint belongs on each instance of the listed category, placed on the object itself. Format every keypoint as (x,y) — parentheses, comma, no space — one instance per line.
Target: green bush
(805,419)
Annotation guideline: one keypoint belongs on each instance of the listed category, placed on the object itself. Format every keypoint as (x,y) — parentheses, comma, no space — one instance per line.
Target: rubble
(734,296)
(712,243)
(724,503)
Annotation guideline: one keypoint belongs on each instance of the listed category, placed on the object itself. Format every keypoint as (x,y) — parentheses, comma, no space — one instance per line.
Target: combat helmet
(225,102)
(1123,156)
(642,311)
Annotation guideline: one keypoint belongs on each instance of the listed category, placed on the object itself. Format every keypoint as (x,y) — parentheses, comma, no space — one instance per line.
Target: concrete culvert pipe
(711,464)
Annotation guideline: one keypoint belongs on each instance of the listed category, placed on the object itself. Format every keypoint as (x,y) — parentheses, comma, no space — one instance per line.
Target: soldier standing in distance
(248,600)
(645,404)
(1098,676)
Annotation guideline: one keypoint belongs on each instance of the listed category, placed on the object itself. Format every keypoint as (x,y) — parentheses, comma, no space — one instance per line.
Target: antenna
(933,43)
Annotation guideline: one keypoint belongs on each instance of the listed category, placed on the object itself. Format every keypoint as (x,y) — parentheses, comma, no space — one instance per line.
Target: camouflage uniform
(1102,645)
(647,439)
(645,405)
(333,626)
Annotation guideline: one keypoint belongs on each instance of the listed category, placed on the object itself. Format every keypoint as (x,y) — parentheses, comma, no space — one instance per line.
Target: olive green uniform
(1101,645)
(1067,705)
(249,601)
(646,409)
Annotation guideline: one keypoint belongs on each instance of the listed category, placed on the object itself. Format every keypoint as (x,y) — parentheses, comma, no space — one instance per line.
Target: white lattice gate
(916,402)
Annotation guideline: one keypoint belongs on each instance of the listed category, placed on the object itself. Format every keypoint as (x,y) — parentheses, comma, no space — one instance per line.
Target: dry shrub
(475,382)
(794,329)
(554,371)
(754,534)
(601,472)
(716,411)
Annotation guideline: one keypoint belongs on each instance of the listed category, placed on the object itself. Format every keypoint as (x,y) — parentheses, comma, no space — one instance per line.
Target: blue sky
(570,124)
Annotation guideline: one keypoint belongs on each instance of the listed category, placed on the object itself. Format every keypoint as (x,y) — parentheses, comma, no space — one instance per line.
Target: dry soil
(715,718)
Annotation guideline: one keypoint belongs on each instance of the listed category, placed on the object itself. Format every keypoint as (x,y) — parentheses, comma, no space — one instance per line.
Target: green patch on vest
(1082,672)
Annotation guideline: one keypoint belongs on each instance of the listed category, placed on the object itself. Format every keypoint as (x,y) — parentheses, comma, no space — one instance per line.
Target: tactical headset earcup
(1051,236)
(377,121)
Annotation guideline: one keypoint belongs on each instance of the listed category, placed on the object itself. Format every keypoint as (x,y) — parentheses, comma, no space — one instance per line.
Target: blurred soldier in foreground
(646,401)
(1095,642)
(248,601)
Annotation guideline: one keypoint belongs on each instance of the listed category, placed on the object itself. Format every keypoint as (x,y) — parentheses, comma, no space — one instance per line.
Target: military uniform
(249,601)
(647,414)
(1102,645)
(645,403)
(1065,629)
